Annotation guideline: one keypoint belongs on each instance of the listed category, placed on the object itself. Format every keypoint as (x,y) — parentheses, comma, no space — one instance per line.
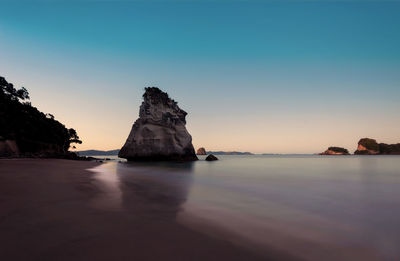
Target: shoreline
(47,210)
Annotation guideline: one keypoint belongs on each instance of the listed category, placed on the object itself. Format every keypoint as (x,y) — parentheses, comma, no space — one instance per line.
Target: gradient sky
(266,77)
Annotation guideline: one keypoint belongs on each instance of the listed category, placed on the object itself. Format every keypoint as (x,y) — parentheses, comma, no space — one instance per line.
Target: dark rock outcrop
(160,132)
(211,158)
(368,146)
(201,151)
(389,149)
(335,151)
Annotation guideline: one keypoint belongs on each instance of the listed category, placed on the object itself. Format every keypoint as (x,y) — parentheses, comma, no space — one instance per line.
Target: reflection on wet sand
(148,189)
(106,180)
(149,198)
(161,187)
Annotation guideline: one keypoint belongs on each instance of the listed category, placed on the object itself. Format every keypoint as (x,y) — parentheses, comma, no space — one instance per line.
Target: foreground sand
(46,213)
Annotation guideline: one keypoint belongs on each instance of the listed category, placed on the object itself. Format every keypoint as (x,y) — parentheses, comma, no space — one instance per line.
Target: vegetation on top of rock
(369,144)
(393,149)
(34,131)
(339,150)
(156,95)
(159,134)
(335,151)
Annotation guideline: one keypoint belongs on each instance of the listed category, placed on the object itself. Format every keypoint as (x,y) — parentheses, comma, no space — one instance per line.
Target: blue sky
(260,76)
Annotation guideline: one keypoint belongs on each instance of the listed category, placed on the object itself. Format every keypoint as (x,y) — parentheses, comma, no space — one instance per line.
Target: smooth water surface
(312,207)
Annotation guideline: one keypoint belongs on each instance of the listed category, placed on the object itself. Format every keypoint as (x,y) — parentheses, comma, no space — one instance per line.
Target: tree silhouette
(34,131)
(9,90)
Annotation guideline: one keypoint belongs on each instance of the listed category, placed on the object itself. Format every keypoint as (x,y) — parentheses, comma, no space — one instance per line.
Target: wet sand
(48,212)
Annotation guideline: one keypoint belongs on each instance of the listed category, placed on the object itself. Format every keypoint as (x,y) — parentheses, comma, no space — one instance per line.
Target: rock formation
(389,149)
(160,132)
(8,148)
(211,158)
(335,151)
(201,151)
(368,146)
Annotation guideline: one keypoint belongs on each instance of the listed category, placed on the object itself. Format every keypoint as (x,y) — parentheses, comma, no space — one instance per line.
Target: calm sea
(314,207)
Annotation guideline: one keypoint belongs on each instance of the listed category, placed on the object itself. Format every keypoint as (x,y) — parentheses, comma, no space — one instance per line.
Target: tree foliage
(339,150)
(33,130)
(369,144)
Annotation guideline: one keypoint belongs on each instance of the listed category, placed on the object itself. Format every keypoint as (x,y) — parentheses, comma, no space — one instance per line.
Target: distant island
(202,151)
(366,146)
(335,151)
(98,152)
(229,153)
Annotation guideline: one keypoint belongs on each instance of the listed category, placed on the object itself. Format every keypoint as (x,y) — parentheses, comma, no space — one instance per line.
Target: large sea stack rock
(160,133)
(335,151)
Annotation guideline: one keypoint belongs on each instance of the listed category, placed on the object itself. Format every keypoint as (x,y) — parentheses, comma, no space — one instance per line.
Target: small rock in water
(211,158)
(201,151)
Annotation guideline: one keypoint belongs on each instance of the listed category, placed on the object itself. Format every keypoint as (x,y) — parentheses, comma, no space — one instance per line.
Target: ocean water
(312,207)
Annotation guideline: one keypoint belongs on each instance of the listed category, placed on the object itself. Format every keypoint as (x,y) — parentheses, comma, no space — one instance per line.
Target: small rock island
(335,151)
(201,151)
(160,133)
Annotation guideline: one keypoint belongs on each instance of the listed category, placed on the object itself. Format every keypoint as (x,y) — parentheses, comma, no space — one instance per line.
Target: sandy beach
(47,213)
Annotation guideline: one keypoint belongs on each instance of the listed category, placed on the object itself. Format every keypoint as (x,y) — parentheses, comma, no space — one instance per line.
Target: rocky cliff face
(160,132)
